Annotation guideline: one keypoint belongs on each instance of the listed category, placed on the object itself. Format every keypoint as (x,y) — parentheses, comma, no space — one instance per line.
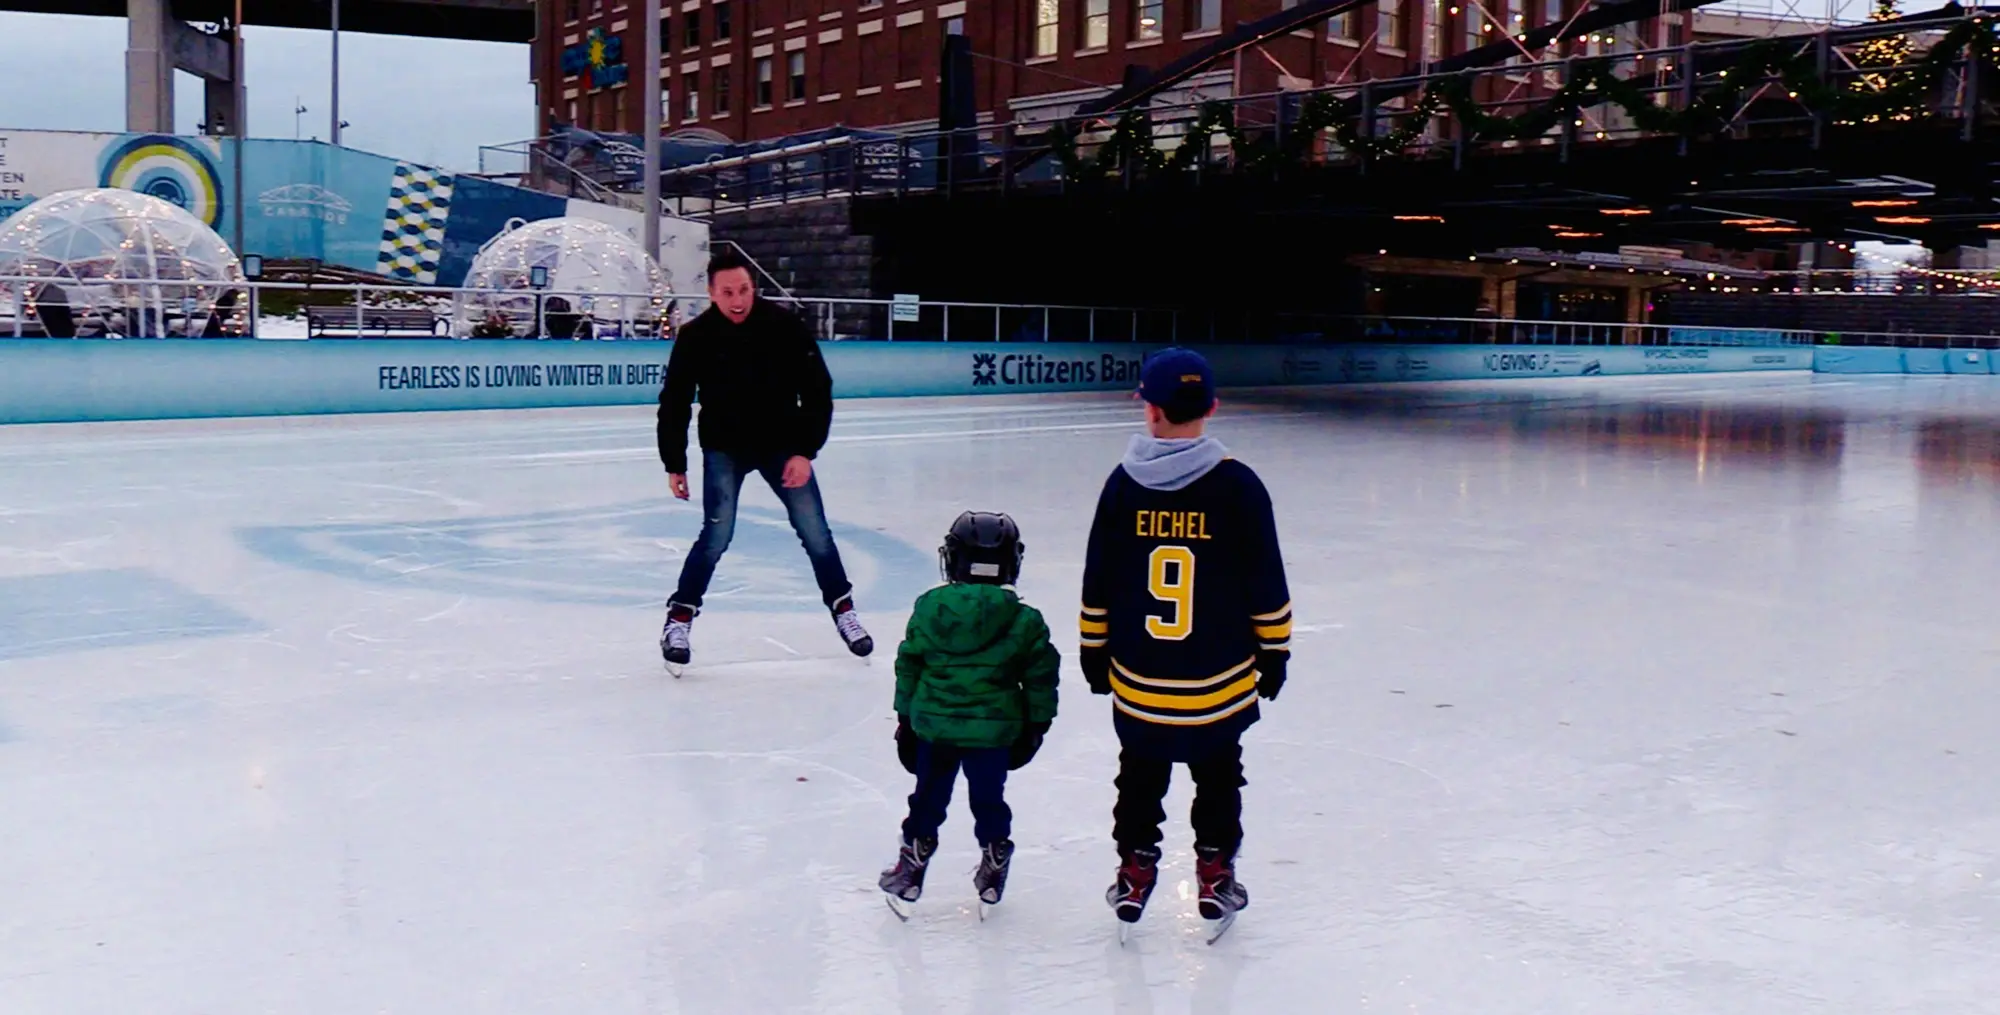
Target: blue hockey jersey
(1184,587)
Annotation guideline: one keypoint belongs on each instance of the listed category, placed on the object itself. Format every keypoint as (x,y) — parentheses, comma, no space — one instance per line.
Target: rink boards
(1890,360)
(75,380)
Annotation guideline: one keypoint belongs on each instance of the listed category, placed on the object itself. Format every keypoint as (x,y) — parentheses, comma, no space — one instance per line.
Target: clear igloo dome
(600,283)
(117,262)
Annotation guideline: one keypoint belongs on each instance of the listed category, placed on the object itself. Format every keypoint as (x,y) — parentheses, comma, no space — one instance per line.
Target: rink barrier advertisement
(1833,359)
(76,380)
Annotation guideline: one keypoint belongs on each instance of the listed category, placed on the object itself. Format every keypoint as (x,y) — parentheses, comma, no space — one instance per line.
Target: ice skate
(1138,870)
(851,631)
(674,637)
(991,877)
(1222,896)
(903,884)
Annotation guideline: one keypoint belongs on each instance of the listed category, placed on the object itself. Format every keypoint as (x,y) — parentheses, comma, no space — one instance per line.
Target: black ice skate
(674,645)
(991,877)
(904,883)
(1137,871)
(1222,896)
(849,626)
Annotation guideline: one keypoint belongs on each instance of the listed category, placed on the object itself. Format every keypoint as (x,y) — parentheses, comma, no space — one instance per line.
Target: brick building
(757,69)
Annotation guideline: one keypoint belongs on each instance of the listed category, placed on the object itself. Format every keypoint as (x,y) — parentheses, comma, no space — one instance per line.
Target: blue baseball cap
(1179,381)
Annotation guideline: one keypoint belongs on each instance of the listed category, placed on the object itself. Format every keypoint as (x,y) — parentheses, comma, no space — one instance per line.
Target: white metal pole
(334,101)
(242,128)
(649,79)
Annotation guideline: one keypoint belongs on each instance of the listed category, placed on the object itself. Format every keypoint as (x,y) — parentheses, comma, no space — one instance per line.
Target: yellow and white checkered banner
(413,225)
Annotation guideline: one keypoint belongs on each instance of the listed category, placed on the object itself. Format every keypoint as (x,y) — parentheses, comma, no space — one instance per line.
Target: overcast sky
(426,100)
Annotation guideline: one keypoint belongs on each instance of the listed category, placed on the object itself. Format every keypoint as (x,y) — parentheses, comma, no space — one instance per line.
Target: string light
(1963,280)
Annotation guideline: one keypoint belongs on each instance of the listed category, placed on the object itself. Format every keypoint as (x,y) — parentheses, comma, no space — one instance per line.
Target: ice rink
(1643,695)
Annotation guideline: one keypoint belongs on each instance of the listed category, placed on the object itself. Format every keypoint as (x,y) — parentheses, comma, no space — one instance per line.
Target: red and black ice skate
(1222,896)
(1138,871)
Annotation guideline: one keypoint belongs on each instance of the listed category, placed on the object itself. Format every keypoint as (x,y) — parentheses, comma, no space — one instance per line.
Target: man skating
(766,405)
(1187,621)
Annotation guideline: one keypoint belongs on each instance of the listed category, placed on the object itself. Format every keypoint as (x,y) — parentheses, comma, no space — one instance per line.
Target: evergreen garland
(1898,93)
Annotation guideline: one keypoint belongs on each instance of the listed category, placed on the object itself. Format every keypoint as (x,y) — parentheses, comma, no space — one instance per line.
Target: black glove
(1025,746)
(906,744)
(1271,673)
(1096,664)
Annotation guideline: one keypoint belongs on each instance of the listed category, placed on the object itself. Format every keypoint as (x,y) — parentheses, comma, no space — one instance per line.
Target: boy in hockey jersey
(1186,622)
(975,690)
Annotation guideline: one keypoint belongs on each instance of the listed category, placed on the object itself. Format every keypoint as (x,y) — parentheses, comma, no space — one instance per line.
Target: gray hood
(1159,464)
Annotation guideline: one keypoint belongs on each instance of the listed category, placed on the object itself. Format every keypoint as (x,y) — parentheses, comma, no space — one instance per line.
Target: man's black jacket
(764,389)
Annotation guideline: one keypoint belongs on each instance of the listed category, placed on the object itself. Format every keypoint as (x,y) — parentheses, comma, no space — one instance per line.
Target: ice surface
(1612,695)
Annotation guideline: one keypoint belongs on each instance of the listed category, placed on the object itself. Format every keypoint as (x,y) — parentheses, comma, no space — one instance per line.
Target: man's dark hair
(1186,408)
(729,259)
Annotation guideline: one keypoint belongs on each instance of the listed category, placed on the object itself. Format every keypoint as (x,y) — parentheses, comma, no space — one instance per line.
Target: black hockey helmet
(984,547)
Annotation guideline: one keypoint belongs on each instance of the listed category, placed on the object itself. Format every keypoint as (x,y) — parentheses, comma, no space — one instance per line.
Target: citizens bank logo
(305,201)
(1019,369)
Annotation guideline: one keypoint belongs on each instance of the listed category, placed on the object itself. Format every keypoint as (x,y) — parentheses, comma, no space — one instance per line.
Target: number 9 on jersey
(1170,577)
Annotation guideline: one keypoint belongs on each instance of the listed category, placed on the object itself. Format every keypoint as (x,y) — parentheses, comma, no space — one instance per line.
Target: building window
(909,53)
(1475,29)
(722,21)
(1392,27)
(572,114)
(763,96)
(666,34)
(596,7)
(1148,17)
(795,75)
(954,26)
(691,29)
(1552,12)
(666,103)
(1096,24)
(691,96)
(1341,27)
(876,59)
(1204,15)
(618,109)
(721,90)
(570,11)
(1048,27)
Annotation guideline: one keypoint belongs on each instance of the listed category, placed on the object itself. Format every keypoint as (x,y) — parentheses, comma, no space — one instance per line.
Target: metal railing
(36,306)
(1496,331)
(100,308)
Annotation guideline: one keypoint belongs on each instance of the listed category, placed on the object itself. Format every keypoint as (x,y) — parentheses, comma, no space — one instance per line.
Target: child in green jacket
(975,690)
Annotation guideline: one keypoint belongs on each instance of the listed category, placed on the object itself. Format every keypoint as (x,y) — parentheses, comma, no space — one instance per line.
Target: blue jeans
(722,476)
(985,784)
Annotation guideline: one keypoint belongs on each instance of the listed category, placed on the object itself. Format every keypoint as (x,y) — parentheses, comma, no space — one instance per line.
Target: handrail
(754,263)
(767,155)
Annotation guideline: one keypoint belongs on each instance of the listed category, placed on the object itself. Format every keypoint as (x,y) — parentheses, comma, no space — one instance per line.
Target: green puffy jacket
(975,667)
